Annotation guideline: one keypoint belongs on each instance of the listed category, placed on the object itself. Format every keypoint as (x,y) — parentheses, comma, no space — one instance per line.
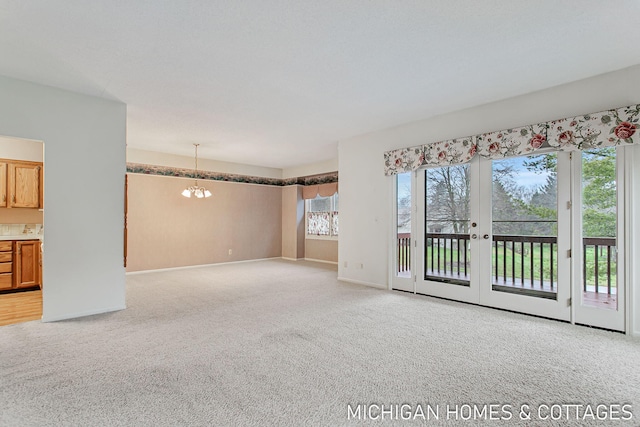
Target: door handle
(474,236)
(486,236)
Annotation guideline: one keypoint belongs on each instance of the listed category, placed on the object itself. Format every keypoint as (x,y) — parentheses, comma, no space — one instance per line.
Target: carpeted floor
(285,343)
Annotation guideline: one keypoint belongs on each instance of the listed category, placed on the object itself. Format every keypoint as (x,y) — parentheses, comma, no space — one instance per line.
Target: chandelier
(198,192)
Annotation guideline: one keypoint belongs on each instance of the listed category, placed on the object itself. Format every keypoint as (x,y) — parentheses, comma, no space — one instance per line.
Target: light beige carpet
(285,343)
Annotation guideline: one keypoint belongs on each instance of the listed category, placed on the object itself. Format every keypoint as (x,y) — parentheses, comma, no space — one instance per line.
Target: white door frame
(397,282)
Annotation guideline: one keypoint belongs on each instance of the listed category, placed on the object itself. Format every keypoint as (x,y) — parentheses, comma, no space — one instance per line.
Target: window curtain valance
(512,142)
(603,129)
(450,152)
(324,190)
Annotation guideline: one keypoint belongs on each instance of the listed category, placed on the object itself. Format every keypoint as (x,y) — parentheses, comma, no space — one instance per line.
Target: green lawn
(516,262)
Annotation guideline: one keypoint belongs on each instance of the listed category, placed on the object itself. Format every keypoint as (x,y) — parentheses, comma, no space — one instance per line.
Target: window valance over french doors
(604,129)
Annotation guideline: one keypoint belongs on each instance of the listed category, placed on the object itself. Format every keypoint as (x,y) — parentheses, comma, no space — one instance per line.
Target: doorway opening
(21,229)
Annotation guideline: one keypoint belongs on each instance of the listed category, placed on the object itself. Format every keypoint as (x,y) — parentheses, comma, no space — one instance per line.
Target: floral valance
(403,160)
(513,142)
(604,129)
(450,152)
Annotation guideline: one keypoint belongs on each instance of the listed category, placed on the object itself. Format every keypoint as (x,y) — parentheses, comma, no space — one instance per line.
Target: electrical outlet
(230,251)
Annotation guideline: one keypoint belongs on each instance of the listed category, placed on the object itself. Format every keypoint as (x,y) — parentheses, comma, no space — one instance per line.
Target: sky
(522,175)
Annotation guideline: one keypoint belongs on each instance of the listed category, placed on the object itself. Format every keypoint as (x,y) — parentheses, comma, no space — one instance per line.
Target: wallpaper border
(145,169)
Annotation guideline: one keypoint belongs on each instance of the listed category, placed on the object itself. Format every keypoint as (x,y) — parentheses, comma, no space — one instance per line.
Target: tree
(599,196)
(404,206)
(447,191)
(543,206)
(519,209)
(598,189)
(505,208)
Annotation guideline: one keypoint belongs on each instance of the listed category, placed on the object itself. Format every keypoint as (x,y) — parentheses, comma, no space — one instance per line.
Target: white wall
(20,149)
(365,193)
(84,147)
(311,169)
(172,160)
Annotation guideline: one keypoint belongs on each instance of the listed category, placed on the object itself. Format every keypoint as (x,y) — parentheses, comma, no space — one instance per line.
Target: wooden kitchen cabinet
(20,265)
(3,184)
(27,263)
(6,264)
(24,183)
(21,184)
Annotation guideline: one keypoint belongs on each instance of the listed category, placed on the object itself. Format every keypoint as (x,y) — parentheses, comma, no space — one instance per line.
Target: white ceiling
(278,83)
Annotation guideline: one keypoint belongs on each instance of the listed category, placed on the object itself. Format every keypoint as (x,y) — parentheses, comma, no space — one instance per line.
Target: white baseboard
(186,267)
(321,260)
(361,282)
(81,314)
(311,259)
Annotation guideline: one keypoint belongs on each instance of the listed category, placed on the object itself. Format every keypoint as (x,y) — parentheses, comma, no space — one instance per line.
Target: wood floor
(20,307)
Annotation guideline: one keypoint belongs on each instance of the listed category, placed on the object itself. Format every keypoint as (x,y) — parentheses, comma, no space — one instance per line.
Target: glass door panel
(403,225)
(402,278)
(525,226)
(599,241)
(599,224)
(447,199)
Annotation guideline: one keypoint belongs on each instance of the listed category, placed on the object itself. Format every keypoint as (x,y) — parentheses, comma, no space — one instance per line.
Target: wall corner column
(292,222)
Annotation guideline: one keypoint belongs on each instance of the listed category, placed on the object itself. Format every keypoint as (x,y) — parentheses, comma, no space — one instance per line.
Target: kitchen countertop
(22,237)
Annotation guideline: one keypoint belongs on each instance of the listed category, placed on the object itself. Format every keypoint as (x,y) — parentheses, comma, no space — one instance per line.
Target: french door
(498,233)
(540,234)
(448,207)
